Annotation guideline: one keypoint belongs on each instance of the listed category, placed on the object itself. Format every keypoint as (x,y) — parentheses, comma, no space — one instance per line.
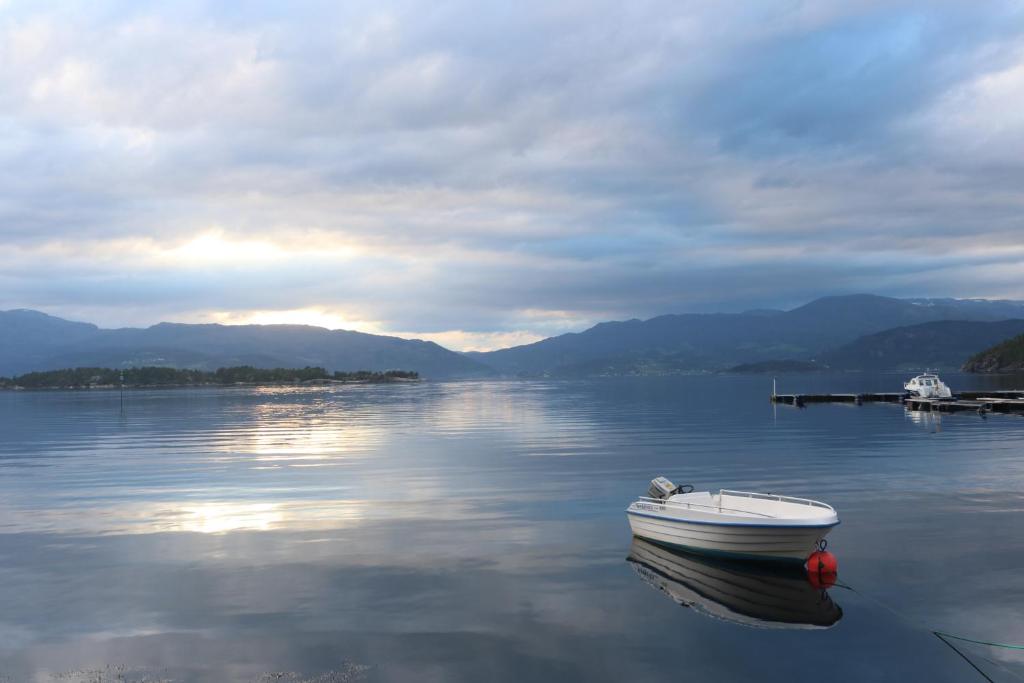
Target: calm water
(475,532)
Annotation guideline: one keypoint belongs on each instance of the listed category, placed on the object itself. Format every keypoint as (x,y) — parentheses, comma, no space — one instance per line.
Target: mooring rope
(942,635)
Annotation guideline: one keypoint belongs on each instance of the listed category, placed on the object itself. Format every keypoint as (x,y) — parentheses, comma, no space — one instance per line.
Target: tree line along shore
(153,376)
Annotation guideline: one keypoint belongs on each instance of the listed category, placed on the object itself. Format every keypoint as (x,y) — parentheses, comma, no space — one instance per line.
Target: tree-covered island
(91,378)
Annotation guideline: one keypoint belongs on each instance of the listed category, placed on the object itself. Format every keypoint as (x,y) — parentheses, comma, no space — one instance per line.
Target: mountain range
(856,332)
(815,331)
(30,340)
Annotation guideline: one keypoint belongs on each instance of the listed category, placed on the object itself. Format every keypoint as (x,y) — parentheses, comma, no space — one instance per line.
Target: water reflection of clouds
(308,440)
(296,431)
(466,608)
(157,517)
(537,420)
(216,518)
(402,527)
(276,514)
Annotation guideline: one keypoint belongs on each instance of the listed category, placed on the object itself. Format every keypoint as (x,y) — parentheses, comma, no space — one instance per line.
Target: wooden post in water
(122,392)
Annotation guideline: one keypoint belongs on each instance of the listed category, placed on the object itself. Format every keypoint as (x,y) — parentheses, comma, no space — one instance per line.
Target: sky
(488,174)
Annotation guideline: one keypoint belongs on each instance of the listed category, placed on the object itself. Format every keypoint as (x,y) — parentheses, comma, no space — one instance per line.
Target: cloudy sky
(488,174)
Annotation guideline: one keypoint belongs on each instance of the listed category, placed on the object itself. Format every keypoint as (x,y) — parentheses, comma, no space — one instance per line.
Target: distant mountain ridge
(856,332)
(30,340)
(710,342)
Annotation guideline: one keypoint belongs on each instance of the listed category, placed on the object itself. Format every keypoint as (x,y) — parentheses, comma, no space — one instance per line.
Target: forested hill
(943,345)
(1007,356)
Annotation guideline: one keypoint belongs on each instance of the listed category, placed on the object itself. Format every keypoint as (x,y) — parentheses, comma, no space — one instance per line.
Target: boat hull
(779,543)
(923,393)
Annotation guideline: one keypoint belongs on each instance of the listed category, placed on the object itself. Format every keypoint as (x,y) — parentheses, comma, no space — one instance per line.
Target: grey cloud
(849,82)
(494,163)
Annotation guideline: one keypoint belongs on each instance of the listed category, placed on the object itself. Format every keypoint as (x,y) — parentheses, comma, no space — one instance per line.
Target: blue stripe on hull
(746,524)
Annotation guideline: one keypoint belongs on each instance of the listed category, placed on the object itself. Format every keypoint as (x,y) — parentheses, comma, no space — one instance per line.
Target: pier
(1010,401)
(800,400)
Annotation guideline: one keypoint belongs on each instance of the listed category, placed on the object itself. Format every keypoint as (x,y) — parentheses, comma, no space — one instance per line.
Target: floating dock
(990,394)
(1010,401)
(803,399)
(948,405)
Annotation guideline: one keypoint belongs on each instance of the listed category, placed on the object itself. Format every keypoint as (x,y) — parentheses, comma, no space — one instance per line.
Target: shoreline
(158,377)
(213,385)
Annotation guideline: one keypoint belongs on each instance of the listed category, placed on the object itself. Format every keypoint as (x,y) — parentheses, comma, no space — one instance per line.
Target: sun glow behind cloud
(461,340)
(214,248)
(317,317)
(458,340)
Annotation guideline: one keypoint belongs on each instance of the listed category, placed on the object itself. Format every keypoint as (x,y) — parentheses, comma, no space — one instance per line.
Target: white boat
(740,524)
(928,385)
(744,593)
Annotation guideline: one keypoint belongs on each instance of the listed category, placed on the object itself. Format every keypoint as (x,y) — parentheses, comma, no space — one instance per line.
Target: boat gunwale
(689,506)
(721,509)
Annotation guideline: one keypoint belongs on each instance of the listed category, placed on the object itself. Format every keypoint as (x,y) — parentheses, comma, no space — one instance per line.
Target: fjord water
(476,531)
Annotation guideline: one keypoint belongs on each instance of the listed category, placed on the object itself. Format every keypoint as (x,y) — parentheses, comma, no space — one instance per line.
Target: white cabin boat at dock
(927,385)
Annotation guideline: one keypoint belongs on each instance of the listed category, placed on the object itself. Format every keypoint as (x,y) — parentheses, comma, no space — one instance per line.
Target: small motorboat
(744,593)
(928,385)
(738,524)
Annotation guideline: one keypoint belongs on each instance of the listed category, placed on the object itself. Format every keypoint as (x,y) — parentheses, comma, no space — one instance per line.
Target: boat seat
(698,497)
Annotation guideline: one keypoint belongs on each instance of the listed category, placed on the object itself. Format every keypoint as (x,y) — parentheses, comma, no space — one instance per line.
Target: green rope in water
(978,642)
(940,634)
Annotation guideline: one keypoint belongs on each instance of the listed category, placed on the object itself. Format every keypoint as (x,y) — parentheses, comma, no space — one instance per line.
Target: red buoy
(822,569)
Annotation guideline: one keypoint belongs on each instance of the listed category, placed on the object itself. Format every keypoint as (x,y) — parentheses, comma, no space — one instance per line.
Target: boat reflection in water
(742,593)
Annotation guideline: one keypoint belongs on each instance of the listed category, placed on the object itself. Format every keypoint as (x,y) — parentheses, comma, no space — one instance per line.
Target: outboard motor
(661,488)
